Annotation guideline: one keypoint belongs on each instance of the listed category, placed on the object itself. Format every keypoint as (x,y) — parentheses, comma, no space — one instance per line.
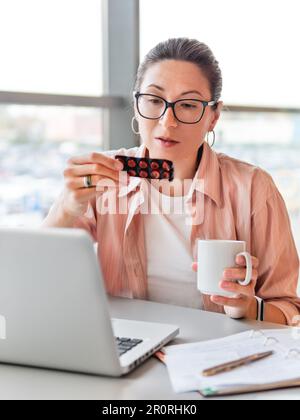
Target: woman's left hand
(243,305)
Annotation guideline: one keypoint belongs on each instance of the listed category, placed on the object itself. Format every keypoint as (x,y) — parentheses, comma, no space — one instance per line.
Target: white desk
(149,381)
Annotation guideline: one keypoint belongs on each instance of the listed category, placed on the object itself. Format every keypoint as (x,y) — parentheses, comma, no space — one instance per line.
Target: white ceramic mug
(214,256)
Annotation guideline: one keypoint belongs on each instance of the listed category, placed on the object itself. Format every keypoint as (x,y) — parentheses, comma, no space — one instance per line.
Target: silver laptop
(54,311)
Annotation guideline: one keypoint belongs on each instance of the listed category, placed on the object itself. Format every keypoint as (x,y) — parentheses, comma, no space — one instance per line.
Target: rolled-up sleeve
(88,221)
(272,242)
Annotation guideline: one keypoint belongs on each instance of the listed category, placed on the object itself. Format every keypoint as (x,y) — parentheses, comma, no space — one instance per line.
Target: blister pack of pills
(147,168)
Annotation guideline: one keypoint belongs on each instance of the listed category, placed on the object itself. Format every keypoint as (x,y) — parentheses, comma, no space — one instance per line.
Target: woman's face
(171,79)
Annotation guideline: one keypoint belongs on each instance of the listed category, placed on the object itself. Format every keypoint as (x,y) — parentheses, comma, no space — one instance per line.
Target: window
(35,143)
(61,92)
(51,46)
(48,47)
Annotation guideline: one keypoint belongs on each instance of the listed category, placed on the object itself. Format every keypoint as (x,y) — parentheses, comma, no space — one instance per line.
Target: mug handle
(248,278)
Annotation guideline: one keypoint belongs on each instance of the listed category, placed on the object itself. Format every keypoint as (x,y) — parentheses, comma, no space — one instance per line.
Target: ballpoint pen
(226,367)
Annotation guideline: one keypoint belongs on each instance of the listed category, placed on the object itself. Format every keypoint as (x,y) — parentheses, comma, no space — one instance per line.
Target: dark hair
(185,49)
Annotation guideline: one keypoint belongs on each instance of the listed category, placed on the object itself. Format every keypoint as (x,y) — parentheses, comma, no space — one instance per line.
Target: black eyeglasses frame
(172,105)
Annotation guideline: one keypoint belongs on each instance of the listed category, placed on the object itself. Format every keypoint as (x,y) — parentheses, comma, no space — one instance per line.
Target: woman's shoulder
(245,169)
(254,178)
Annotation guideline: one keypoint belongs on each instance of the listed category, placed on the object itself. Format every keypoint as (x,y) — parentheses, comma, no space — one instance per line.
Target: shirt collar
(209,172)
(206,181)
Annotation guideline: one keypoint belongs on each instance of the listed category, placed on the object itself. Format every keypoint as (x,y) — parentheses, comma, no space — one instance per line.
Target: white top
(171,279)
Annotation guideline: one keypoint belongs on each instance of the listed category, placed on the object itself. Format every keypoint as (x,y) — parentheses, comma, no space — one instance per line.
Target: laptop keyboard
(125,344)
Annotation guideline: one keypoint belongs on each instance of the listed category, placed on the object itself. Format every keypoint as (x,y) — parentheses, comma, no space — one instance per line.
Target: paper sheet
(186,362)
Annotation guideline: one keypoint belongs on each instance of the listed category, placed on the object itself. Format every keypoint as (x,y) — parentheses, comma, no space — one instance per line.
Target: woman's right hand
(76,196)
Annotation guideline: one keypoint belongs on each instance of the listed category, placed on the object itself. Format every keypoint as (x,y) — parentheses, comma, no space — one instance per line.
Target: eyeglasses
(187,111)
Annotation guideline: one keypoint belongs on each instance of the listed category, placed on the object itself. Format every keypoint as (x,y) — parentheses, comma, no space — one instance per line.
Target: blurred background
(67,73)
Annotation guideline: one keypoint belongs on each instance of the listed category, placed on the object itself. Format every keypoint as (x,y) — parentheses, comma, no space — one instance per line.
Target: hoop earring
(214,138)
(132,126)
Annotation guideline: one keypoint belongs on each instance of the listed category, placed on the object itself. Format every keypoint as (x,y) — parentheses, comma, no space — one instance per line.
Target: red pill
(131,172)
(154,165)
(155,174)
(143,174)
(166,175)
(131,163)
(166,166)
(143,164)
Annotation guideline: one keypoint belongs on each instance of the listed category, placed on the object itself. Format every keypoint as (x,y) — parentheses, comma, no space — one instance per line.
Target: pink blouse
(239,202)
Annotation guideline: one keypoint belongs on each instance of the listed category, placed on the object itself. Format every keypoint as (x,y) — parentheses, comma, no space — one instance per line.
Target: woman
(177,104)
